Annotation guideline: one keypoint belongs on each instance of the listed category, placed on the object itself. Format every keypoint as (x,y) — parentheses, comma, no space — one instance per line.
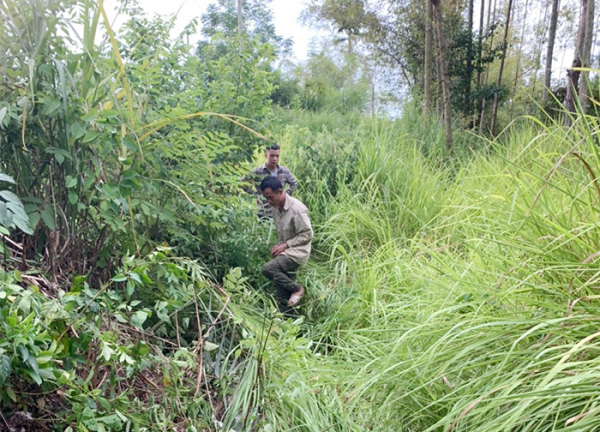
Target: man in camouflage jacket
(271,167)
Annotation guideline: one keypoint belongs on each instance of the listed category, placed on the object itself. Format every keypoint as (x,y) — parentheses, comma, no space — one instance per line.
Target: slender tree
(539,45)
(490,19)
(443,66)
(371,80)
(439,105)
(469,65)
(550,49)
(428,63)
(240,18)
(240,23)
(519,55)
(502,58)
(586,55)
(479,54)
(574,73)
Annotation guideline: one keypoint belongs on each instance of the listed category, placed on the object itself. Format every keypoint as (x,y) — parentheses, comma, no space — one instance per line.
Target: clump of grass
(395,194)
(484,318)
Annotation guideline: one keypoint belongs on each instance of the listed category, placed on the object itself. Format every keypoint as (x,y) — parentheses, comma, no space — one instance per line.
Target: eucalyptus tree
(581,56)
(428,62)
(501,70)
(550,49)
(443,67)
(519,58)
(584,88)
(469,60)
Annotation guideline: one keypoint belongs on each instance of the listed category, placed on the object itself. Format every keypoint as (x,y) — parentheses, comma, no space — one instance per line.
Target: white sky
(285,17)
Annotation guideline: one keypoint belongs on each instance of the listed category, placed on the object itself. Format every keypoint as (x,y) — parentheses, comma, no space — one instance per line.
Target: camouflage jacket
(258,174)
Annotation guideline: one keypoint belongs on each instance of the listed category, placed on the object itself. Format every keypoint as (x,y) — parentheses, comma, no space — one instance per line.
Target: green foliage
(471,322)
(118,160)
(29,346)
(466,93)
(396,193)
(287,91)
(338,156)
(321,149)
(331,85)
(221,18)
(91,343)
(448,292)
(348,17)
(12,213)
(236,83)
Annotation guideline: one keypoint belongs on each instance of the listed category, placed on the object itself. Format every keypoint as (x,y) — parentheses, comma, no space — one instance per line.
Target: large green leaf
(9,196)
(48,217)
(12,212)
(16,208)
(77,130)
(5,217)
(90,136)
(51,105)
(138,318)
(4,368)
(6,178)
(70,181)
(3,111)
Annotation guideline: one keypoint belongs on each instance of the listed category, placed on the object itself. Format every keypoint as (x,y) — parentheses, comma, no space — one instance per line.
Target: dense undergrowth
(465,299)
(446,292)
(439,299)
(453,294)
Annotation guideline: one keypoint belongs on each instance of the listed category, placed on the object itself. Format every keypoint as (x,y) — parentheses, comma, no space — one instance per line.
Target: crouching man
(292,250)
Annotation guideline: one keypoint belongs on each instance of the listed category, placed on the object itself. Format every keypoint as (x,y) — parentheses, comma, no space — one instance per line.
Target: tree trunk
(372,98)
(479,55)
(584,89)
(370,75)
(550,50)
(443,62)
(499,82)
(469,65)
(573,75)
(439,97)
(427,91)
(240,23)
(490,18)
(539,47)
(520,53)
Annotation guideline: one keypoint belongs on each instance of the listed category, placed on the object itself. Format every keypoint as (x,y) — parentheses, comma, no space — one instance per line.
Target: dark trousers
(282,271)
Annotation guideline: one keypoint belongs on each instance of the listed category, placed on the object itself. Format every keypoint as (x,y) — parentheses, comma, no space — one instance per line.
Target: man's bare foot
(295,298)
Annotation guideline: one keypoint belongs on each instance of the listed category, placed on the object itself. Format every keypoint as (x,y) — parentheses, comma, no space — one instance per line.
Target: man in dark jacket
(271,168)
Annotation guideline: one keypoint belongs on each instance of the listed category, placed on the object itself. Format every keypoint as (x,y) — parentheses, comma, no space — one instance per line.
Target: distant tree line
(479,72)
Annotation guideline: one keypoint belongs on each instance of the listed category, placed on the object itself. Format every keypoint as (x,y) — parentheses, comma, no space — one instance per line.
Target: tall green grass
(448,293)
(465,301)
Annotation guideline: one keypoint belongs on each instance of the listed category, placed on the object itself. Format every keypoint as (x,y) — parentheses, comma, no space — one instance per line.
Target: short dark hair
(271,182)
(272,147)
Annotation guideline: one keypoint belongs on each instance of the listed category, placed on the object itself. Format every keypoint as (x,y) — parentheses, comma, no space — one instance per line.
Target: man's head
(272,190)
(272,156)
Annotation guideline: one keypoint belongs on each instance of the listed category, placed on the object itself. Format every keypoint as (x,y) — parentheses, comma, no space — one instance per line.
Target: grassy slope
(445,295)
(455,299)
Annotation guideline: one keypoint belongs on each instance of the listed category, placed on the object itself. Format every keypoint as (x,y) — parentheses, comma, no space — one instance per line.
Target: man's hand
(278,249)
